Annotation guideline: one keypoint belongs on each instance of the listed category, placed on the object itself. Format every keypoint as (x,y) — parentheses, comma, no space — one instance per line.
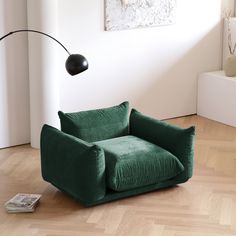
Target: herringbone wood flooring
(204,206)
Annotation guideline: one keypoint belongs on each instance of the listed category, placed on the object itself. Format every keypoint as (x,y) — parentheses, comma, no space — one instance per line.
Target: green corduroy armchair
(106,154)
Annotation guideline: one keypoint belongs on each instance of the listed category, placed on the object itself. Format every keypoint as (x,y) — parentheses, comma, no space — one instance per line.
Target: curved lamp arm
(75,63)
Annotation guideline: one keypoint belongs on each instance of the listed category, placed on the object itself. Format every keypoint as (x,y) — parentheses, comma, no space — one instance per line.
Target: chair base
(112,195)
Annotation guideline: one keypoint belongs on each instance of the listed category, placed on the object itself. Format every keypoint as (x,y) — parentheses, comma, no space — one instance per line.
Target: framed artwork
(129,14)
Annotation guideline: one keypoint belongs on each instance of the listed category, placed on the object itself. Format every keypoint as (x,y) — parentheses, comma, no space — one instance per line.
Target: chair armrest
(178,141)
(73,165)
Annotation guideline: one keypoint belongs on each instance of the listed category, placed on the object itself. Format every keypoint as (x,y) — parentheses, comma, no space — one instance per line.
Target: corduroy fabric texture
(72,165)
(132,162)
(176,140)
(78,167)
(96,125)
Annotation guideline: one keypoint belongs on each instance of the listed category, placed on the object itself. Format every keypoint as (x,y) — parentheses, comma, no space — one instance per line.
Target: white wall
(43,68)
(156,69)
(14,86)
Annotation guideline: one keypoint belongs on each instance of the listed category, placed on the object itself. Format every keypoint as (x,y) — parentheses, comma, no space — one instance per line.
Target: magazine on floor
(22,202)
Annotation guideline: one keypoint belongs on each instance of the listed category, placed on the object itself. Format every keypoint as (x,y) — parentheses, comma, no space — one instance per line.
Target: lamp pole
(35,31)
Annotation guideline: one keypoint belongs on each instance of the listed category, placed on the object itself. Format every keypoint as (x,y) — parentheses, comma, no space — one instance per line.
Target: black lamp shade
(76,64)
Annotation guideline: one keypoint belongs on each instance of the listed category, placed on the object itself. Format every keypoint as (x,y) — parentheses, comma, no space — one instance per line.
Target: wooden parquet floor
(204,206)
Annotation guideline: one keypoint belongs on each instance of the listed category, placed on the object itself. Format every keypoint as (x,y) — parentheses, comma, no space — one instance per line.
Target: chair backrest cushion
(96,125)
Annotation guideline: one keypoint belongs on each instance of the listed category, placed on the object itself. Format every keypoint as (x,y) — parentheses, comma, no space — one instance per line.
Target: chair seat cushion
(132,162)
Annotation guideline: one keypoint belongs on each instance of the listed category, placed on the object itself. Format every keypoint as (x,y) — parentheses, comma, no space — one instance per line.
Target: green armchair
(106,154)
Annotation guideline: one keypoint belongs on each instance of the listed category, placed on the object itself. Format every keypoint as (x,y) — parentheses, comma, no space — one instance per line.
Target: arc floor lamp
(75,63)
(43,93)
